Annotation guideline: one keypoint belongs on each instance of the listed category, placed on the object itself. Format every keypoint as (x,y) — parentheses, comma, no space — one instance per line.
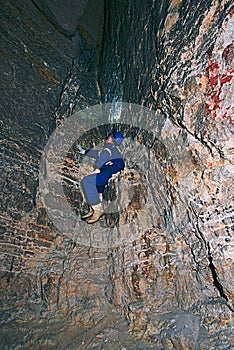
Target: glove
(81,150)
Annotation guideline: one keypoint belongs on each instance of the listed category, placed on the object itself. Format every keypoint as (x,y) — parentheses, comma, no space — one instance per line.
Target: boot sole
(84,217)
(88,222)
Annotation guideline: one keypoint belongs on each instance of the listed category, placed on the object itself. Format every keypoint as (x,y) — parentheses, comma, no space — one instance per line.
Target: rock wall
(170,285)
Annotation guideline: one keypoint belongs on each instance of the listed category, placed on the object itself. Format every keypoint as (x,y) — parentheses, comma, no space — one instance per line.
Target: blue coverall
(109,161)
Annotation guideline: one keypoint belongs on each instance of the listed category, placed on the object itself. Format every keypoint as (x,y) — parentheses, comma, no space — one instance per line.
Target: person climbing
(108,162)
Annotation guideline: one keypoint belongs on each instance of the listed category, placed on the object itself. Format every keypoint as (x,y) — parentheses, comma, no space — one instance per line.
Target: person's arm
(90,153)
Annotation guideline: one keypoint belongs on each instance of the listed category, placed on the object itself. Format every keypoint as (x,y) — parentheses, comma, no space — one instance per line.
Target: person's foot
(87,215)
(95,217)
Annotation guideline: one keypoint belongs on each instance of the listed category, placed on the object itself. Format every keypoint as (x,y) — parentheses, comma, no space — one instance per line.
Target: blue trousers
(94,184)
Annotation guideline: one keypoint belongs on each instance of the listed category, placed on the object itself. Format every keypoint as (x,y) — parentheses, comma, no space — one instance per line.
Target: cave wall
(170,287)
(186,77)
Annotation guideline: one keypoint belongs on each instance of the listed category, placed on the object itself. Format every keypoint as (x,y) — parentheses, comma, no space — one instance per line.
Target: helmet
(118,137)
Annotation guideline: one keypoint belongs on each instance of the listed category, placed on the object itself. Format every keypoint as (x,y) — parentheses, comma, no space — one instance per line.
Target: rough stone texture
(172,286)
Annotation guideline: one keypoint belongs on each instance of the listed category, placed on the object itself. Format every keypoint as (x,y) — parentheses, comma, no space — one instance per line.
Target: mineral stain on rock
(171,287)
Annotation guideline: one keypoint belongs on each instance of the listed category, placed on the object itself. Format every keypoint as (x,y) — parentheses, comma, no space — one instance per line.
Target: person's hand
(81,150)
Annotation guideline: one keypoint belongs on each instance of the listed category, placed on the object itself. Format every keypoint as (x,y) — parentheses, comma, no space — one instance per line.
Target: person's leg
(101,181)
(93,185)
(90,189)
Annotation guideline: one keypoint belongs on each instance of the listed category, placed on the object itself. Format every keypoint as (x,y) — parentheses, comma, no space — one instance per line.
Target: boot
(87,215)
(97,213)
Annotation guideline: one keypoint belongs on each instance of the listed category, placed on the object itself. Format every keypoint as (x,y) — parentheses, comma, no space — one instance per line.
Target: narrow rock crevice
(211,265)
(216,280)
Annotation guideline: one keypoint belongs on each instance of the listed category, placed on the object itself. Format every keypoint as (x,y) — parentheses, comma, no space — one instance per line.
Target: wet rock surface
(167,280)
